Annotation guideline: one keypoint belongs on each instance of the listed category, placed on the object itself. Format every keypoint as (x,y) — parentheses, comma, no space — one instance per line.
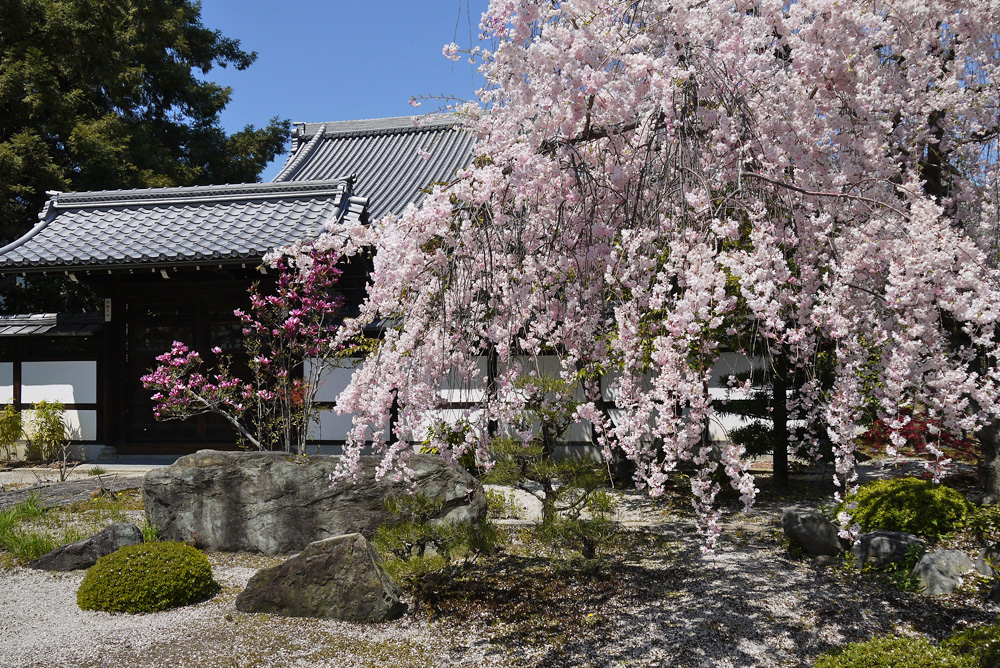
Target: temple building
(172,264)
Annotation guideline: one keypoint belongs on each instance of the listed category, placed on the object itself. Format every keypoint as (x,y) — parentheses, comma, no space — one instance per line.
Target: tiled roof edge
(375,126)
(191,194)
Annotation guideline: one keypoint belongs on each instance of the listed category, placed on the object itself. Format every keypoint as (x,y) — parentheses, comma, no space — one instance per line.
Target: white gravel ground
(752,605)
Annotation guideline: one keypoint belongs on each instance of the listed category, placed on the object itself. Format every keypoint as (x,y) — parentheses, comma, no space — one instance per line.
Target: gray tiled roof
(176,226)
(383,154)
(49,324)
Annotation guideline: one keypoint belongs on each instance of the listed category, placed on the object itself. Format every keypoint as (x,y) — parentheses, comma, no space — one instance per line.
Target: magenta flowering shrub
(275,404)
(653,179)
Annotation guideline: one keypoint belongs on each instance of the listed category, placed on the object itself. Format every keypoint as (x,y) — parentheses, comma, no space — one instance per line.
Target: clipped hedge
(911,505)
(147,578)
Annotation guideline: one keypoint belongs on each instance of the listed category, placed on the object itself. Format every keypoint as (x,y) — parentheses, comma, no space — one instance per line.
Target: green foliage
(586,534)
(501,506)
(147,578)
(454,435)
(982,643)
(900,573)
(22,541)
(898,652)
(11,430)
(102,94)
(418,551)
(46,431)
(150,532)
(977,647)
(570,487)
(23,545)
(984,522)
(909,504)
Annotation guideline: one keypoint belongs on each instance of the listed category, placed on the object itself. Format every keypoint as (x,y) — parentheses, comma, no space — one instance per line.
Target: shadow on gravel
(663,603)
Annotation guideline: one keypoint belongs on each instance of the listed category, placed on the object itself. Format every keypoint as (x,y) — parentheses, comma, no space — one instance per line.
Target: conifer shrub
(147,578)
(911,505)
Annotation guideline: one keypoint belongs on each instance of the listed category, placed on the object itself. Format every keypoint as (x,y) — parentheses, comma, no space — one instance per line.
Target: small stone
(825,560)
(813,532)
(881,548)
(941,571)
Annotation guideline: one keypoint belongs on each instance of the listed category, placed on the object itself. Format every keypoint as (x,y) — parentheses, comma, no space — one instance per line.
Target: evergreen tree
(104,94)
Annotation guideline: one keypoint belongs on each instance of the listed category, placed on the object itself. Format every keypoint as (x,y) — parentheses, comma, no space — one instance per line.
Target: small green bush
(893,653)
(909,504)
(147,578)
(985,523)
(501,506)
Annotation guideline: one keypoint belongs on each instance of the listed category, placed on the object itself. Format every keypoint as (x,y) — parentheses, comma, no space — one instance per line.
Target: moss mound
(909,504)
(147,578)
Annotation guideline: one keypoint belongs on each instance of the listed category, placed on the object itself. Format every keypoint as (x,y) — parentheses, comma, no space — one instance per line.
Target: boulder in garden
(337,578)
(276,503)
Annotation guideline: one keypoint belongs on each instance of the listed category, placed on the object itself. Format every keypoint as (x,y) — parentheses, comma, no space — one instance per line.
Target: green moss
(147,578)
(893,653)
(909,504)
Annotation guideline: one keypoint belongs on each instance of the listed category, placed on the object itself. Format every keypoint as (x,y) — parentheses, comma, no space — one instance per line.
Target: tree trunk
(779,434)
(989,441)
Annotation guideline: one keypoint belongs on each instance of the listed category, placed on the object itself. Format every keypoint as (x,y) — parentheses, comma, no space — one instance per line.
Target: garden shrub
(888,652)
(981,643)
(985,523)
(147,578)
(909,504)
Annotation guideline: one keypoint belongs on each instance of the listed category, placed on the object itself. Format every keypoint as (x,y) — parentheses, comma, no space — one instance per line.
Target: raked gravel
(751,605)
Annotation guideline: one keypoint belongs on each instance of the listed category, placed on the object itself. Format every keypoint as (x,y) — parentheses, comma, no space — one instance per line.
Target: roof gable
(392,159)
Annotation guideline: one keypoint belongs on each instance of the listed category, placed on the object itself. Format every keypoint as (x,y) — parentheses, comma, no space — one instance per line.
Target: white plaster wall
(334,378)
(333,427)
(460,389)
(68,382)
(6,382)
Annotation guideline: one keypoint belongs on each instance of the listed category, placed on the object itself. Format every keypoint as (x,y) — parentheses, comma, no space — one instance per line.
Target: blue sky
(341,59)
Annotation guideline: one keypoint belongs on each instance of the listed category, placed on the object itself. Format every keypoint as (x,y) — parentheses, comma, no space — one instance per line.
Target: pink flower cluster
(276,404)
(655,182)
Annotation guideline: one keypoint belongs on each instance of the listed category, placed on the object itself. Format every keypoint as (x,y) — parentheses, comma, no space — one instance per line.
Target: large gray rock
(85,553)
(276,503)
(816,534)
(941,571)
(337,578)
(881,548)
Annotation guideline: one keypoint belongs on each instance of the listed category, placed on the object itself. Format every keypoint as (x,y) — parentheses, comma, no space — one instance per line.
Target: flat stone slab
(85,553)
